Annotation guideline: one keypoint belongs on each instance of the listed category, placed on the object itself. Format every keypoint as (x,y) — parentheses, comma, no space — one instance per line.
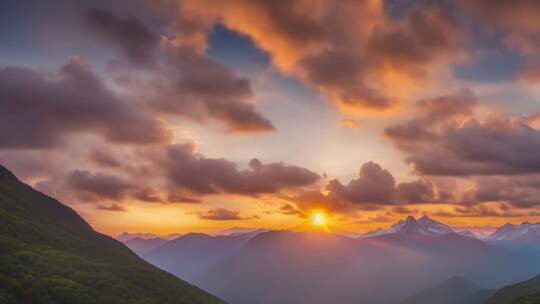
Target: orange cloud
(351,51)
(349,123)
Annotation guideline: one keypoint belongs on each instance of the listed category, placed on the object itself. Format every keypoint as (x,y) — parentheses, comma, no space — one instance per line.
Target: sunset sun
(318,219)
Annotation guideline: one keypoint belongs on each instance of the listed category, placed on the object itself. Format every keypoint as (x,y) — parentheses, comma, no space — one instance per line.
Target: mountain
(469,233)
(525,232)
(424,226)
(456,290)
(49,254)
(239,230)
(126,236)
(526,292)
(142,246)
(319,267)
(192,254)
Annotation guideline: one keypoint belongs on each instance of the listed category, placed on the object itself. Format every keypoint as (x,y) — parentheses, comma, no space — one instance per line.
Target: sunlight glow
(318,219)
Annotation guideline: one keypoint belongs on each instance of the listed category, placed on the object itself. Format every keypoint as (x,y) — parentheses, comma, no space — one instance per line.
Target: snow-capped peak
(523,231)
(424,226)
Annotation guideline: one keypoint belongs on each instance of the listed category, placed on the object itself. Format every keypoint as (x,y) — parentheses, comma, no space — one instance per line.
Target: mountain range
(49,254)
(317,267)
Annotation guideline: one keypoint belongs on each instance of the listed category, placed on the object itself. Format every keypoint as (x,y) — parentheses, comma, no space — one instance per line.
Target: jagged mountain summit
(423,226)
(522,232)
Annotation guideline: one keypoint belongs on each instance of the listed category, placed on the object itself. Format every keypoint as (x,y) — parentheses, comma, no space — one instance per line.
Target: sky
(198,115)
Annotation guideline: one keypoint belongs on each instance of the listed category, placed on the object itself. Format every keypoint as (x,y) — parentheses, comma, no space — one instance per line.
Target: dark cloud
(453,142)
(221,214)
(195,173)
(178,79)
(182,199)
(37,111)
(147,194)
(518,20)
(374,188)
(419,191)
(95,186)
(373,185)
(104,159)
(518,191)
(197,87)
(138,43)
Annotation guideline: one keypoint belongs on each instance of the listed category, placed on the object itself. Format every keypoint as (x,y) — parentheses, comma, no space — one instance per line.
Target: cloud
(531,73)
(349,123)
(135,40)
(289,209)
(486,211)
(419,191)
(372,189)
(373,185)
(519,191)
(197,87)
(111,207)
(104,159)
(221,214)
(41,111)
(95,186)
(182,199)
(452,142)
(351,51)
(174,78)
(193,172)
(517,19)
(147,194)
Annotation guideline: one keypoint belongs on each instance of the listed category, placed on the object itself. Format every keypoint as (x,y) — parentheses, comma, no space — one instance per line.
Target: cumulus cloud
(519,191)
(372,189)
(177,79)
(444,141)
(40,111)
(352,51)
(193,172)
(517,19)
(95,186)
(130,35)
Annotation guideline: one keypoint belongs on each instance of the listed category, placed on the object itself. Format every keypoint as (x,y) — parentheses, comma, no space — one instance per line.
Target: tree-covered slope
(526,292)
(456,290)
(49,254)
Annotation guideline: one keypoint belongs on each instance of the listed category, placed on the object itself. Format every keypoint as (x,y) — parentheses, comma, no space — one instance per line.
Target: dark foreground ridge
(49,254)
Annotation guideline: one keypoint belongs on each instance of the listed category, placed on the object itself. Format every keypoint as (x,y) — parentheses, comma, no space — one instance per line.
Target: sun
(318,218)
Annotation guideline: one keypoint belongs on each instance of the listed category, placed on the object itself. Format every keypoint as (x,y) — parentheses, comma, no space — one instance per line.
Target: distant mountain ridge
(49,254)
(522,232)
(126,236)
